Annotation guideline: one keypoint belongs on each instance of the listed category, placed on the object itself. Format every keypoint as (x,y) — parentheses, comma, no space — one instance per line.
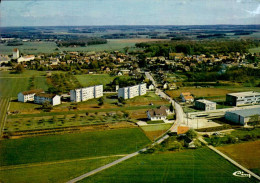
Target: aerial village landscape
(129,103)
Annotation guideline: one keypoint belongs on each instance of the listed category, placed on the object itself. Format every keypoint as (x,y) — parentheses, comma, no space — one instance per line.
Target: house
(187,97)
(40,98)
(172,86)
(156,114)
(165,85)
(28,95)
(151,87)
(244,116)
(205,105)
(26,58)
(243,98)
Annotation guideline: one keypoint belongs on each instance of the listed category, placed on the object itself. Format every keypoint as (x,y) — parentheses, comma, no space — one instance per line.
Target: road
(179,119)
(178,109)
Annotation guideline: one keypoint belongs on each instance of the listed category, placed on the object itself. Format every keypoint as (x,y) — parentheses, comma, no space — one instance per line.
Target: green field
(164,126)
(10,87)
(254,50)
(30,48)
(97,79)
(59,172)
(4,102)
(201,165)
(71,146)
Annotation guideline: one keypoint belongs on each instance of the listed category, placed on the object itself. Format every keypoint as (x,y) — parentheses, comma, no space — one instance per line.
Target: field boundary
(4,117)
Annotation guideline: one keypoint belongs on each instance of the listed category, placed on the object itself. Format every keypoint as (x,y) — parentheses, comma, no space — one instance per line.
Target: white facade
(26,58)
(132,91)
(83,94)
(242,117)
(243,98)
(205,105)
(15,53)
(25,98)
(41,98)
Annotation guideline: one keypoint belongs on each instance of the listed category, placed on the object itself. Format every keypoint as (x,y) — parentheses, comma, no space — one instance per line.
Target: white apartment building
(40,98)
(132,91)
(243,98)
(26,58)
(28,95)
(83,94)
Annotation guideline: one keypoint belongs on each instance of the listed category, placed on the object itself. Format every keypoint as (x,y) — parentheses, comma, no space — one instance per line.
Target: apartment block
(83,94)
(243,98)
(132,91)
(205,105)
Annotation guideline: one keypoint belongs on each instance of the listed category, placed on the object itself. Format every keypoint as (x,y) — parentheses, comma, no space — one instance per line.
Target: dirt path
(56,162)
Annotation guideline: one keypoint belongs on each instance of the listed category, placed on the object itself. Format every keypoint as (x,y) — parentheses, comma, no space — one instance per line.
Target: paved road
(179,120)
(178,109)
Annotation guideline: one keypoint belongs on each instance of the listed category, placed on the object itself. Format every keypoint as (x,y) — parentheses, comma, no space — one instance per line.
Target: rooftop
(242,94)
(46,95)
(32,91)
(182,129)
(247,112)
(205,101)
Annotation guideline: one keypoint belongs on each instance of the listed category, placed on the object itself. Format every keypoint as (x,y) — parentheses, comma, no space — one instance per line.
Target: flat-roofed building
(205,105)
(243,98)
(40,98)
(83,94)
(132,91)
(243,116)
(28,95)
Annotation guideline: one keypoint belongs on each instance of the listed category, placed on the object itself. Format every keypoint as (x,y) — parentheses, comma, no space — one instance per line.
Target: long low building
(40,98)
(28,95)
(243,98)
(132,91)
(243,116)
(83,94)
(205,105)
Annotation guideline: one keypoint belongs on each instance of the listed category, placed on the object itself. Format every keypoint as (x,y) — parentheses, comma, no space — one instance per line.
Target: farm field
(201,165)
(59,172)
(254,50)
(95,79)
(4,102)
(155,130)
(10,87)
(30,48)
(200,92)
(71,146)
(247,154)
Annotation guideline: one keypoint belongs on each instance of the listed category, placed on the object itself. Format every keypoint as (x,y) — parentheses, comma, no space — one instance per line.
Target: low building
(151,87)
(26,58)
(83,94)
(205,105)
(132,91)
(243,116)
(28,95)
(243,98)
(156,114)
(40,98)
(187,97)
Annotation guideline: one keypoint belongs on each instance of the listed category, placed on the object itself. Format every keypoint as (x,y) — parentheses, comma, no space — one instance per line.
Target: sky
(128,12)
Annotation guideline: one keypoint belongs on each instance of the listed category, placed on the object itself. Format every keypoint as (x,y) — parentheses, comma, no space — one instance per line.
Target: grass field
(10,87)
(71,146)
(247,154)
(57,172)
(254,50)
(4,102)
(30,48)
(155,130)
(196,166)
(200,92)
(97,79)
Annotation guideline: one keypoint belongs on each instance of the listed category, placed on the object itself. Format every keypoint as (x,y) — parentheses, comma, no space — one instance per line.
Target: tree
(191,134)
(126,114)
(171,108)
(121,100)
(101,101)
(175,145)
(19,68)
(46,106)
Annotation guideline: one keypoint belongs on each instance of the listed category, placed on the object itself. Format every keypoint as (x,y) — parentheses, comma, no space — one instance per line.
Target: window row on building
(132,91)
(83,94)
